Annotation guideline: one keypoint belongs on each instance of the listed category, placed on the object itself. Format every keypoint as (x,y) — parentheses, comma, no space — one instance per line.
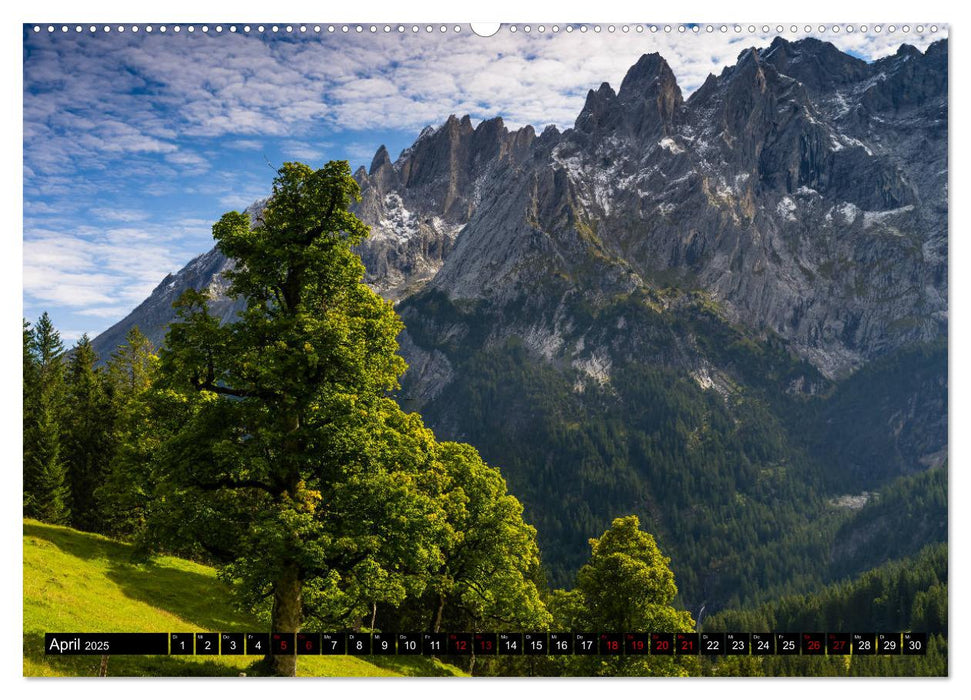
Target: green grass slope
(79,582)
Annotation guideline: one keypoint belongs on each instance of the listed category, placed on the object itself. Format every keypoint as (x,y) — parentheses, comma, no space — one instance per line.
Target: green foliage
(486,579)
(31,379)
(488,575)
(897,521)
(905,595)
(133,366)
(651,442)
(79,431)
(281,438)
(880,599)
(626,586)
(269,447)
(88,443)
(279,457)
(368,529)
(729,478)
(79,581)
(887,420)
(46,487)
(128,487)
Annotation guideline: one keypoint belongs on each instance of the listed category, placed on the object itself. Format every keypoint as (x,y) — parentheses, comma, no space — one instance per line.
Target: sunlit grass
(79,582)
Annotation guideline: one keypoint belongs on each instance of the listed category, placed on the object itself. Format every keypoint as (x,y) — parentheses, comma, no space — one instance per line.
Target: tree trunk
(103,671)
(287,589)
(438,615)
(287,614)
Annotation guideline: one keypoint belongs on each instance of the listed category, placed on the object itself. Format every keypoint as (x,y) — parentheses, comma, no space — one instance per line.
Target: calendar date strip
(488,643)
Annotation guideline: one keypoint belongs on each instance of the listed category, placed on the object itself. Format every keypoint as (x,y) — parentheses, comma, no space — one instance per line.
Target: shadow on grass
(198,599)
(79,544)
(195,598)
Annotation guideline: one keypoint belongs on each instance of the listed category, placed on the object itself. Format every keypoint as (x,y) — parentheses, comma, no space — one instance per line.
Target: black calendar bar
(101,644)
(489,643)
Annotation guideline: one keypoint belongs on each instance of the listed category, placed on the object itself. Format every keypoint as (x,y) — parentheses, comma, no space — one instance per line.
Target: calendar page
(547,349)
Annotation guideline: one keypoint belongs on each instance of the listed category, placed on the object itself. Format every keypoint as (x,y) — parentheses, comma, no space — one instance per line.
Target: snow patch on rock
(786,209)
(847,211)
(670,145)
(398,223)
(876,217)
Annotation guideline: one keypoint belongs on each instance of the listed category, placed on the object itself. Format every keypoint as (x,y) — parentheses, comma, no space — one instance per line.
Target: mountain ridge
(751,148)
(736,257)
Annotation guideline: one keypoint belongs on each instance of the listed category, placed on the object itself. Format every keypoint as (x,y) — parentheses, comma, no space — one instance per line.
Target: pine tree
(89,440)
(46,489)
(31,388)
(128,483)
(133,366)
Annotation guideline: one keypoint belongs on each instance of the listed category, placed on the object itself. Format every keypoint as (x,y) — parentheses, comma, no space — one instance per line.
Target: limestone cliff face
(738,284)
(814,207)
(804,190)
(417,205)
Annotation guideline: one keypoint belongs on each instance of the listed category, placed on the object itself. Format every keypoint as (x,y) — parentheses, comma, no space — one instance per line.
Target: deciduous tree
(306,482)
(626,586)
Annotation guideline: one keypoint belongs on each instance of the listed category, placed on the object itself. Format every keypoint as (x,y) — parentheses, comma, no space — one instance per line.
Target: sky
(136,142)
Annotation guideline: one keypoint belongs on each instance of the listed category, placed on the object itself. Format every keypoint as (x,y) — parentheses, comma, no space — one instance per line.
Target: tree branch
(227,483)
(224,390)
(309,236)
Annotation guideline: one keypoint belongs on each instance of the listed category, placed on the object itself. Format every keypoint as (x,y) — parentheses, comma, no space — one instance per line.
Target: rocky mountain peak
(818,65)
(937,50)
(649,70)
(651,97)
(645,108)
(908,50)
(802,188)
(487,140)
(600,111)
(909,80)
(382,172)
(380,160)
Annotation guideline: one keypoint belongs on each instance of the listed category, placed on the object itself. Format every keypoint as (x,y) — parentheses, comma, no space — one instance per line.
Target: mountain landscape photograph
(572,329)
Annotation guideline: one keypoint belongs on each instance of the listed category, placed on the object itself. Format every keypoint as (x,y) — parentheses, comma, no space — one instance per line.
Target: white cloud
(246,145)
(99,97)
(40,208)
(189,162)
(114,119)
(127,215)
(113,312)
(69,337)
(101,271)
(306,152)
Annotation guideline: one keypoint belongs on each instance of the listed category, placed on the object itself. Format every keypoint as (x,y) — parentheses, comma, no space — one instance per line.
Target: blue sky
(136,142)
